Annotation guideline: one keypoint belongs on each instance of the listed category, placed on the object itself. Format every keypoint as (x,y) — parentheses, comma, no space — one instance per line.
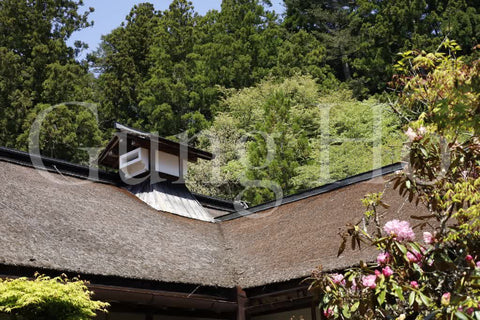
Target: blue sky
(110,13)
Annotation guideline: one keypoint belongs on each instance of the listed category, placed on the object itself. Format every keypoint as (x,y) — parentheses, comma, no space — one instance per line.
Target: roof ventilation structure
(153,167)
(134,163)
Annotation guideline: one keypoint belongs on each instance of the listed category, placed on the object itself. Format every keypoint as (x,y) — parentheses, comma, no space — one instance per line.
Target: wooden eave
(135,139)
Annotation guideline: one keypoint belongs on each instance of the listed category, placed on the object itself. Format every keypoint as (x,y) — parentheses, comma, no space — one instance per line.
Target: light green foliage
(317,137)
(361,136)
(47,298)
(440,278)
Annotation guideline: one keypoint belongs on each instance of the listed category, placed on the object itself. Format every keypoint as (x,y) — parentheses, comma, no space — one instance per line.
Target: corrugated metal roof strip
(170,197)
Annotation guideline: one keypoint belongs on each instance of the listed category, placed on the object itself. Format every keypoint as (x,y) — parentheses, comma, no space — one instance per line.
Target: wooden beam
(157,298)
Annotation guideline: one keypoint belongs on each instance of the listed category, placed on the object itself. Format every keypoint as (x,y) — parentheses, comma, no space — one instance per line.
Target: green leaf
(346,312)
(461,315)
(355,306)
(424,152)
(411,298)
(401,247)
(399,293)
(477,315)
(381,297)
(424,298)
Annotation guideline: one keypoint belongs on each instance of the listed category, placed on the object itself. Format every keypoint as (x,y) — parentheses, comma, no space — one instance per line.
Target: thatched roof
(286,243)
(101,229)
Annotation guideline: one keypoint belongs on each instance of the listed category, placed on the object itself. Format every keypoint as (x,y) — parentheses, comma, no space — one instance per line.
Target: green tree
(169,92)
(123,61)
(45,298)
(163,71)
(296,135)
(364,37)
(32,46)
(67,132)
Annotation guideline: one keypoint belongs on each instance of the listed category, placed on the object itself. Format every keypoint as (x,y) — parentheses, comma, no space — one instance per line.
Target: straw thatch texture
(100,229)
(288,242)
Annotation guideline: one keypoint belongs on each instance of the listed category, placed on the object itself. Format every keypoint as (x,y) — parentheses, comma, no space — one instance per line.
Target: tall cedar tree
(364,37)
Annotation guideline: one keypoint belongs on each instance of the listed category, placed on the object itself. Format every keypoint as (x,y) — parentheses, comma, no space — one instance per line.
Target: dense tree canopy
(292,135)
(36,65)
(174,70)
(364,37)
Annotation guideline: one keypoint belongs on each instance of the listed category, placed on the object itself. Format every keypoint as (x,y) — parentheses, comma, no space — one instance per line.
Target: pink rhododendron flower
(383,258)
(338,279)
(428,238)
(377,273)
(414,284)
(369,281)
(412,135)
(468,258)
(414,256)
(387,271)
(470,311)
(478,264)
(328,313)
(401,230)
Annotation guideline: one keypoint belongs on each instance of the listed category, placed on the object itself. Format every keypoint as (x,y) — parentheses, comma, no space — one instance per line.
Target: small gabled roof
(136,138)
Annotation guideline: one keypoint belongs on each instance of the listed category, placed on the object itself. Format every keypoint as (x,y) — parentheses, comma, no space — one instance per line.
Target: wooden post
(241,302)
(314,310)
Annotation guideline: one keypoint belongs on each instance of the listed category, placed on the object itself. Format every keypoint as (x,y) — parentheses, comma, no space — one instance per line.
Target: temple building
(155,250)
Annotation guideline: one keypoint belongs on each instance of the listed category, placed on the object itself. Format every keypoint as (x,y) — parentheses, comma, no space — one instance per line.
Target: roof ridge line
(361,177)
(56,166)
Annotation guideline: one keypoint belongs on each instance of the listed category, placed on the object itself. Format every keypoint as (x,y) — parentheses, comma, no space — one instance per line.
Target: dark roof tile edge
(214,202)
(80,171)
(145,135)
(365,176)
(57,166)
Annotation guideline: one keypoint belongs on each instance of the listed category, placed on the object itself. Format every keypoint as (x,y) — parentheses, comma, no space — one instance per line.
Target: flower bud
(387,271)
(445,299)
(328,313)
